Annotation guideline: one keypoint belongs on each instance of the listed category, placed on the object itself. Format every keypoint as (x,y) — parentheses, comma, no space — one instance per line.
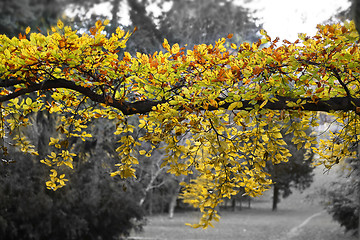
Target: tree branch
(332,104)
(338,77)
(10,82)
(145,106)
(127,108)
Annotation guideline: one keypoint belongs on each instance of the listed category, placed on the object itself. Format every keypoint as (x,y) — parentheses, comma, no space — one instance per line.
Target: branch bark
(10,82)
(138,107)
(145,106)
(332,104)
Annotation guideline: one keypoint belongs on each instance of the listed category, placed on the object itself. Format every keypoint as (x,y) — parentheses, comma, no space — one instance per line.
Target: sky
(286,18)
(280,18)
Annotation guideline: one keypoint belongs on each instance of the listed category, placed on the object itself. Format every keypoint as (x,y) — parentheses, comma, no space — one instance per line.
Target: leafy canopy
(216,110)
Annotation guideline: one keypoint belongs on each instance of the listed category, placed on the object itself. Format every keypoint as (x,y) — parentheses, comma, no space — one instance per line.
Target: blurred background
(97,206)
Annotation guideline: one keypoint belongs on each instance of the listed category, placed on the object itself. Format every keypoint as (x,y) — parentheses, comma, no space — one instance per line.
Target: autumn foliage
(217,110)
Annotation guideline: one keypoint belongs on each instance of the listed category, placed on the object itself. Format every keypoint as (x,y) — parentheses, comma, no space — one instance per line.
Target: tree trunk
(275,197)
(150,186)
(114,12)
(175,194)
(355,8)
(172,205)
(151,202)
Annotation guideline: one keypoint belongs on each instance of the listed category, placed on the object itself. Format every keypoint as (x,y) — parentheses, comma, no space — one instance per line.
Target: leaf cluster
(219,113)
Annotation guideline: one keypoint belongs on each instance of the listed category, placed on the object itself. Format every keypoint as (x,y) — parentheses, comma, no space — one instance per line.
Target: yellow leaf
(263,41)
(60,24)
(47,162)
(265,138)
(264,103)
(232,106)
(28,101)
(166,44)
(7,53)
(106,22)
(54,173)
(299,145)
(27,30)
(277,135)
(69,164)
(142,152)
(196,225)
(127,56)
(113,174)
(175,48)
(263,32)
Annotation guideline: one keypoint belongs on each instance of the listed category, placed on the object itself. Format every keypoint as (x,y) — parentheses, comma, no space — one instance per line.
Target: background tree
(296,173)
(148,37)
(17,15)
(95,206)
(341,201)
(194,22)
(205,21)
(202,93)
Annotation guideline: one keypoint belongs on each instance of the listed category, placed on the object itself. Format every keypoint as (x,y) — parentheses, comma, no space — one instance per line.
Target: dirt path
(295,231)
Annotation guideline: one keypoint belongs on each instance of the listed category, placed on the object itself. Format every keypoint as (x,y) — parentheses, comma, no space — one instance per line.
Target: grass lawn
(296,219)
(248,224)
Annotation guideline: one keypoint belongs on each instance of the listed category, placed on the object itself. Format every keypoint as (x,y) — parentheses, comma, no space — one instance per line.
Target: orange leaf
(286,41)
(98,23)
(257,70)
(343,29)
(93,31)
(22,36)
(352,50)
(213,103)
(61,43)
(319,90)
(109,99)
(229,36)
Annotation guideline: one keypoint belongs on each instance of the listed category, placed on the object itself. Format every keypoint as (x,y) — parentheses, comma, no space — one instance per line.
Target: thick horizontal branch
(139,107)
(142,107)
(332,104)
(9,82)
